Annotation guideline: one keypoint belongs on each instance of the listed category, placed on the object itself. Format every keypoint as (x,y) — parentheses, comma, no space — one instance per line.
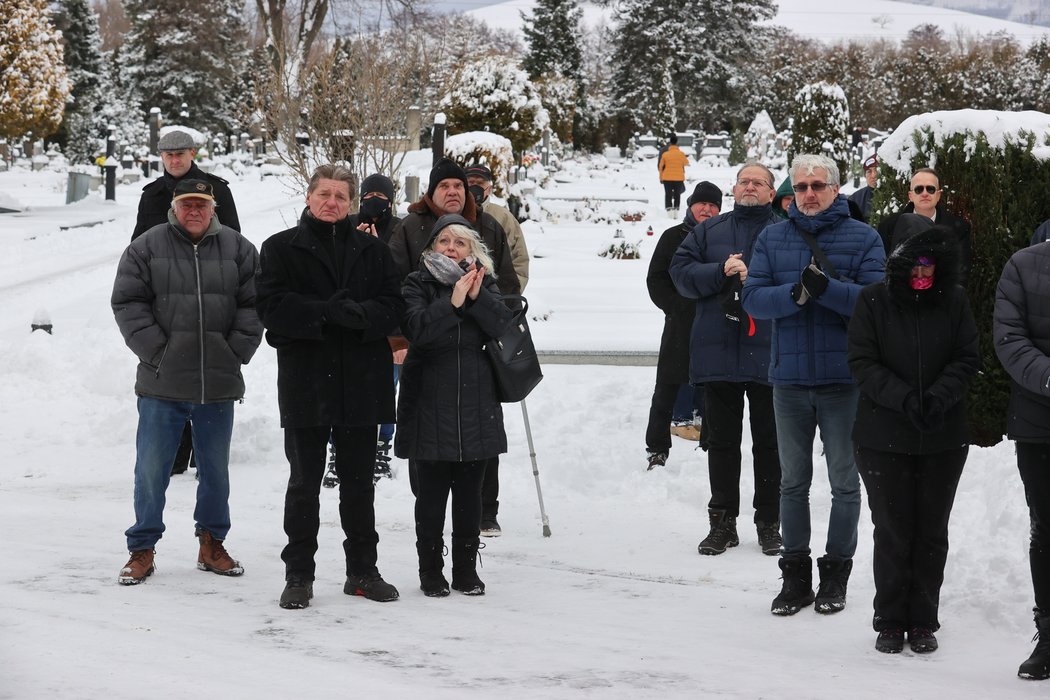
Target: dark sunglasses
(930,189)
(815,186)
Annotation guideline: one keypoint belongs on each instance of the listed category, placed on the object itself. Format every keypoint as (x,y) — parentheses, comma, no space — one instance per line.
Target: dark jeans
(355,457)
(911,498)
(667,401)
(724,425)
(1033,461)
(435,480)
(673,190)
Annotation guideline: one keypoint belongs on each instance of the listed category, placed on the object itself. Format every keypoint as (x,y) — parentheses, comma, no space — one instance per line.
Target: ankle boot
(464,566)
(431,561)
(722,535)
(797,591)
(1037,667)
(834,575)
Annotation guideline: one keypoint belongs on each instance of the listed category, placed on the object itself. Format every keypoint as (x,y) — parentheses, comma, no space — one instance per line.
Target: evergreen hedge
(1004,192)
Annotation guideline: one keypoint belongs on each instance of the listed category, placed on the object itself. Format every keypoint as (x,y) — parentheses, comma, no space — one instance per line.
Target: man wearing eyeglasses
(924,199)
(806,274)
(729,355)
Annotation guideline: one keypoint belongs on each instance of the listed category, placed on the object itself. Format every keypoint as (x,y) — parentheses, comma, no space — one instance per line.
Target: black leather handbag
(514,359)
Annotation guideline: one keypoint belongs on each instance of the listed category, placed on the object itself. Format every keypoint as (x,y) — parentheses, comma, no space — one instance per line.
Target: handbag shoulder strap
(517,302)
(825,264)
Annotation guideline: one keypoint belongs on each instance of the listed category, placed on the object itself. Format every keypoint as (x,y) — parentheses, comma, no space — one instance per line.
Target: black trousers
(911,498)
(1033,461)
(355,458)
(490,490)
(661,413)
(724,421)
(673,190)
(435,481)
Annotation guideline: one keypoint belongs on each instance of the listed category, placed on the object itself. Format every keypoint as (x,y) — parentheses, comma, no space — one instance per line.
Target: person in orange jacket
(672,174)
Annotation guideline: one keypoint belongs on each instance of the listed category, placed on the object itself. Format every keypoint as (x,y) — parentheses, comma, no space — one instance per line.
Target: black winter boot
(834,575)
(797,591)
(431,561)
(464,566)
(722,535)
(1037,667)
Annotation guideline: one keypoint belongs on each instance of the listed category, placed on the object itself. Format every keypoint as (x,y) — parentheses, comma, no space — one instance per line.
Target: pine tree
(552,34)
(83,128)
(187,51)
(33,82)
(821,119)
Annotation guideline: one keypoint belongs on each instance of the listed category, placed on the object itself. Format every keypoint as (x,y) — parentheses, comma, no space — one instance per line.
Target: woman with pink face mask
(913,352)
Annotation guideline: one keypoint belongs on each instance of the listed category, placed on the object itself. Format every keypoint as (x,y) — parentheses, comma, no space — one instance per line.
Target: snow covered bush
(483,148)
(33,82)
(995,171)
(821,123)
(622,251)
(493,94)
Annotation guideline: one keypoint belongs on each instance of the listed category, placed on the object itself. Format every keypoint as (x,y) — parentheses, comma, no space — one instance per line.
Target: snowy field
(615,604)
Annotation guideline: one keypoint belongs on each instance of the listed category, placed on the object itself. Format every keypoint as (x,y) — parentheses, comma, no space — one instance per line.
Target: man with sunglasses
(806,274)
(924,199)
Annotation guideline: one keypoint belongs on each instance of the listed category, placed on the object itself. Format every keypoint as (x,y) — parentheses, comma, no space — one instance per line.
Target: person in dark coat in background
(1021,337)
(177,151)
(862,197)
(328,297)
(924,198)
(913,352)
(674,398)
(450,421)
(1042,233)
(729,355)
(448,193)
(783,198)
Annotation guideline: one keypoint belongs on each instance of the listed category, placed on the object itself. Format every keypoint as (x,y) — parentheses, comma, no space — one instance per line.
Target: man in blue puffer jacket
(729,354)
(791,281)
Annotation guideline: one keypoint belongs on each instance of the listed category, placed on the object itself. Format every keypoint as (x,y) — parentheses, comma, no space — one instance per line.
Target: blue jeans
(800,410)
(386,430)
(160,428)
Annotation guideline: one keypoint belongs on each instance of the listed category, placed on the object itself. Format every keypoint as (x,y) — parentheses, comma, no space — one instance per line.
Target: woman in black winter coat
(449,419)
(913,352)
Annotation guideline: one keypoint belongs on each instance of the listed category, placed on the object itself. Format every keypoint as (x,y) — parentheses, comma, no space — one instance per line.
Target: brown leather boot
(214,557)
(138,568)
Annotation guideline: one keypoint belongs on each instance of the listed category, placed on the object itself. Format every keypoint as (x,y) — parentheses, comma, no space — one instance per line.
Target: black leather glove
(913,411)
(344,311)
(815,281)
(729,298)
(799,295)
(933,410)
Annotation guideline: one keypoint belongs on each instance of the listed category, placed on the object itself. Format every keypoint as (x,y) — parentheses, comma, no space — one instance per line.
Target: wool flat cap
(176,140)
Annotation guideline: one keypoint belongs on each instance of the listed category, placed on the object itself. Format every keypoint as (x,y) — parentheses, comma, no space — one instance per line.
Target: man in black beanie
(447,194)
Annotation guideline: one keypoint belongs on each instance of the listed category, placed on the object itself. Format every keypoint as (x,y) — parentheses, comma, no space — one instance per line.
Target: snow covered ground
(615,604)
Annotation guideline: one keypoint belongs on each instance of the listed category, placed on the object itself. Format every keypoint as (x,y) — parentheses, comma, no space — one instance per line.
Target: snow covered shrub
(821,123)
(994,168)
(493,94)
(483,148)
(622,251)
(33,81)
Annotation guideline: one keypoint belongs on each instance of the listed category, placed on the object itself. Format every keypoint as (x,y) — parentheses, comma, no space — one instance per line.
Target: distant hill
(843,19)
(1023,11)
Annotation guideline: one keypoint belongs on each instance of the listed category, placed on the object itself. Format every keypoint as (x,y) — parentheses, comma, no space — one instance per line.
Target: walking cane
(535,470)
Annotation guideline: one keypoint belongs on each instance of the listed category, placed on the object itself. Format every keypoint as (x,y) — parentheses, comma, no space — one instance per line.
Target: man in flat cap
(177,151)
(184,300)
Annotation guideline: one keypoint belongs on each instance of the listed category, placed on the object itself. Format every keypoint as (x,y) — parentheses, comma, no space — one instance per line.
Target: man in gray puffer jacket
(184,299)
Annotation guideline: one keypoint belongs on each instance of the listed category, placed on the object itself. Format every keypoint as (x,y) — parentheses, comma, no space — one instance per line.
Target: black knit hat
(445,169)
(378,183)
(706,192)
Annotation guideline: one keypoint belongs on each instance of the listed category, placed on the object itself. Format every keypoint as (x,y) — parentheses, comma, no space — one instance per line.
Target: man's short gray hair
(333,172)
(806,163)
(769,173)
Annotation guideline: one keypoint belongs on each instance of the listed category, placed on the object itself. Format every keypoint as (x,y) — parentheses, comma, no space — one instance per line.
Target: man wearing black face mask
(479,182)
(375,216)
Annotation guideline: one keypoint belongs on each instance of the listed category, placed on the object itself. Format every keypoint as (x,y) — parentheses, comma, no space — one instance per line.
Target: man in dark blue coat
(806,274)
(729,355)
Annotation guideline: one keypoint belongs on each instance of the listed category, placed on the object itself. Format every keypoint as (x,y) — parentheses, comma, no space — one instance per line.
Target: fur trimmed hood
(937,242)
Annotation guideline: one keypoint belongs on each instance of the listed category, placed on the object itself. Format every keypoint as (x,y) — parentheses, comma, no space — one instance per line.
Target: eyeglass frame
(930,189)
(744,182)
(817,187)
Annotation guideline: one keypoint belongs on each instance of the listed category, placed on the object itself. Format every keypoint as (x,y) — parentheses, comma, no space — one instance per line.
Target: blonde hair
(477,246)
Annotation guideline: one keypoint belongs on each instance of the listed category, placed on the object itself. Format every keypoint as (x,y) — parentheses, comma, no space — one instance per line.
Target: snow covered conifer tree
(493,94)
(821,117)
(33,82)
(188,51)
(552,33)
(650,42)
(83,127)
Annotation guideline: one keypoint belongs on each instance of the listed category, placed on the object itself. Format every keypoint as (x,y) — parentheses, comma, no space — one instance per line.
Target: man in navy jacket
(791,281)
(729,354)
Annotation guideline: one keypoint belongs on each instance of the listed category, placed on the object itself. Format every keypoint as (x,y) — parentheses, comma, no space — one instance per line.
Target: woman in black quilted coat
(449,419)
(913,352)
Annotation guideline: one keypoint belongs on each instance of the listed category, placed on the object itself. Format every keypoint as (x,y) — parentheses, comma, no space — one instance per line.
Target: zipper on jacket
(200,312)
(459,387)
(922,389)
